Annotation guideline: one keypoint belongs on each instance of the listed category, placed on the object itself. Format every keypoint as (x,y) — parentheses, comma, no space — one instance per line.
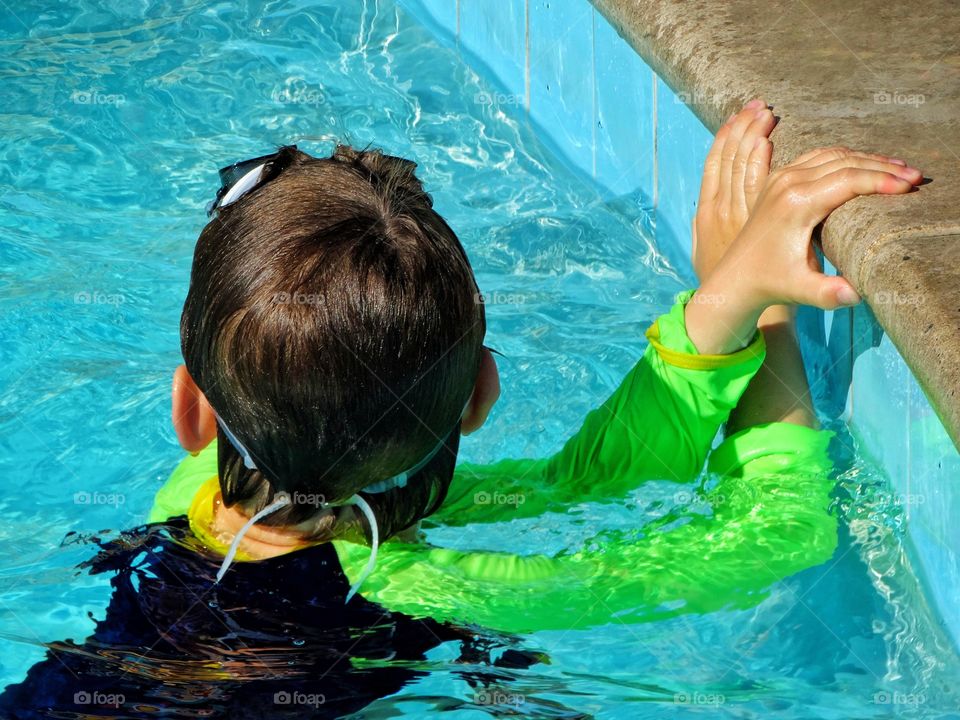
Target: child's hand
(772,260)
(733,174)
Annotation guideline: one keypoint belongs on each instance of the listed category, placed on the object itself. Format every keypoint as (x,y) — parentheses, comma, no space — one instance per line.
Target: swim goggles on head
(240,178)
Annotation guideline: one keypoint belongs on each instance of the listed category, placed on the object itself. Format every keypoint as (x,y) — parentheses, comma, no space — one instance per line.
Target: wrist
(737,295)
(778,315)
(722,318)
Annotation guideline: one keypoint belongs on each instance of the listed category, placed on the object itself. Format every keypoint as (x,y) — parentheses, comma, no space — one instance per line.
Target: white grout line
(593,78)
(526,51)
(656,152)
(909,455)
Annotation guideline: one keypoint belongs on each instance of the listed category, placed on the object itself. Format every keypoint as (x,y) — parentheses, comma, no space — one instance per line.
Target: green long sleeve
(658,424)
(766,517)
(762,514)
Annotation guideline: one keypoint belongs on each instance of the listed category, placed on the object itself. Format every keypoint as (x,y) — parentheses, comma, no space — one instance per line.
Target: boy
(420,375)
(334,352)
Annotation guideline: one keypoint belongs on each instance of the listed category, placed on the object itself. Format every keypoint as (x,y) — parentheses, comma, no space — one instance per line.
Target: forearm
(779,392)
(658,424)
(721,319)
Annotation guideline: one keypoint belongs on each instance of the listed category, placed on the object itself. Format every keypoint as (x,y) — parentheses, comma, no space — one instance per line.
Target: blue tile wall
(590,94)
(682,145)
(625,139)
(562,76)
(494,32)
(895,425)
(440,16)
(881,419)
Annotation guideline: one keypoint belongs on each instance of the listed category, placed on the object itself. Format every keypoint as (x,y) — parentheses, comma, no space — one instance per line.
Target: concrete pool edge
(716,55)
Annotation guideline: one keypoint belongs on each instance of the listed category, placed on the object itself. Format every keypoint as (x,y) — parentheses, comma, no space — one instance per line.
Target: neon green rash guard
(767,491)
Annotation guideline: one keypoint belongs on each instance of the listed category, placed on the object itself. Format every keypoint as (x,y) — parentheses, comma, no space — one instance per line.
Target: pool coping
(901,253)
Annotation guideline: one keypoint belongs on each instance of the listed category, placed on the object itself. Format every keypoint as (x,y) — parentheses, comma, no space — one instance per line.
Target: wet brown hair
(332,322)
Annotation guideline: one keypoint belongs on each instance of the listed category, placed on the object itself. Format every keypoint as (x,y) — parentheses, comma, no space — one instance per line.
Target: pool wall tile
(682,145)
(625,140)
(562,77)
(881,419)
(934,486)
(896,426)
(435,14)
(596,112)
(939,569)
(494,31)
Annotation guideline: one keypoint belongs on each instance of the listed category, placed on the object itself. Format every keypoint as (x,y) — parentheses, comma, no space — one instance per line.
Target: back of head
(332,324)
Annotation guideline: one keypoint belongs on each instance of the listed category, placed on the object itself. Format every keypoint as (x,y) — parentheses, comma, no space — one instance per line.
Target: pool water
(114,124)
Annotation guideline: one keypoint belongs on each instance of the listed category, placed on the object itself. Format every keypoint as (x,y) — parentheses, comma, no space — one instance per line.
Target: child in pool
(334,355)
(356,390)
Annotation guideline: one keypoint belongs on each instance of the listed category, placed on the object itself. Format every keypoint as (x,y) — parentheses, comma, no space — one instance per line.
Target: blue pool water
(114,123)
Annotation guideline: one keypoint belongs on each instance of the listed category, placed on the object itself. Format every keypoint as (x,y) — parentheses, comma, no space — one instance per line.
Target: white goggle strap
(238,446)
(374,543)
(281,500)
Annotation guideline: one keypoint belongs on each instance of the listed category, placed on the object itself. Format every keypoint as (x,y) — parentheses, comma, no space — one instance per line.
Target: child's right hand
(772,260)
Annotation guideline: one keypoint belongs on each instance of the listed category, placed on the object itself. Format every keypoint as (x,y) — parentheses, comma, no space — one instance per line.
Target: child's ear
(485,394)
(193,418)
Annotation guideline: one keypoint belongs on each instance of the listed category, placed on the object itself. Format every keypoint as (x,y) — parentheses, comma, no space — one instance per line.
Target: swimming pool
(114,126)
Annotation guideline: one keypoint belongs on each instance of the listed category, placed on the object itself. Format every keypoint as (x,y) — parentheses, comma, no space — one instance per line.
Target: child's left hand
(733,174)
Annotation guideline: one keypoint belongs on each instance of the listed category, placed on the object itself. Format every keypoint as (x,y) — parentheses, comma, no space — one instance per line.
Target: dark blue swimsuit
(273,639)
